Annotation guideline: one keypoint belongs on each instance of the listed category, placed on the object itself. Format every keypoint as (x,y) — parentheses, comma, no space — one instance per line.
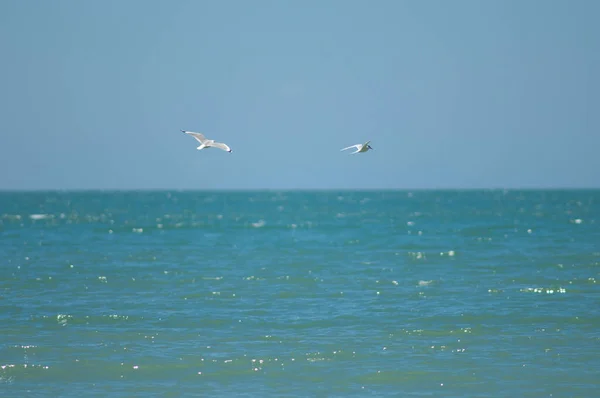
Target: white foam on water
(40,216)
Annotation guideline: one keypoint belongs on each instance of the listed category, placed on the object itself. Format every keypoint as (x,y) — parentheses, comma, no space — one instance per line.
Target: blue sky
(452,94)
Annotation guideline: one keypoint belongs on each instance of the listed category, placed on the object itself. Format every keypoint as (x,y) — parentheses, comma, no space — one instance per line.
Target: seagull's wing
(198,136)
(220,145)
(351,146)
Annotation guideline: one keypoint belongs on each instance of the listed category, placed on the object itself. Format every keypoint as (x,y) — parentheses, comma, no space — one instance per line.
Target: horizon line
(34,190)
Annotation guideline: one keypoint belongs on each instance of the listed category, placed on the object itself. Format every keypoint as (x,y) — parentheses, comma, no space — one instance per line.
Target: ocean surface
(376,293)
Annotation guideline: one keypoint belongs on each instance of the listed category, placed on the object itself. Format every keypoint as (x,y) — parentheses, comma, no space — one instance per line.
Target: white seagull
(206,143)
(359,148)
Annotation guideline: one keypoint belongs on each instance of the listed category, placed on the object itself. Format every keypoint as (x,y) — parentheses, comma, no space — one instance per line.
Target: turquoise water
(424,293)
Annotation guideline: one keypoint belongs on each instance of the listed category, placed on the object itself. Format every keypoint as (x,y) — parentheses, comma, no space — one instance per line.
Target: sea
(424,293)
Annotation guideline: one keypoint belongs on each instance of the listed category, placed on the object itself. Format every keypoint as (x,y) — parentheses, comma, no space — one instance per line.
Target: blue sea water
(377,293)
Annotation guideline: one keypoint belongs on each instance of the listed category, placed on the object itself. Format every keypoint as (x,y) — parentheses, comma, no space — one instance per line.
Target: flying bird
(359,148)
(206,143)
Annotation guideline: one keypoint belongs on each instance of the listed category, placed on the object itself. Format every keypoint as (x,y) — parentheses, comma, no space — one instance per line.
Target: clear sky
(452,94)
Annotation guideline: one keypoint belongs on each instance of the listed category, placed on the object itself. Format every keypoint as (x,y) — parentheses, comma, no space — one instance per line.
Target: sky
(452,94)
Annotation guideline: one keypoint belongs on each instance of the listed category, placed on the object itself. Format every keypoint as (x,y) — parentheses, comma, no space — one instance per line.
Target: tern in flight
(206,143)
(359,148)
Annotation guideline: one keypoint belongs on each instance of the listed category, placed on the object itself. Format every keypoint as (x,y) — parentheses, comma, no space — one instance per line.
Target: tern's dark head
(369,146)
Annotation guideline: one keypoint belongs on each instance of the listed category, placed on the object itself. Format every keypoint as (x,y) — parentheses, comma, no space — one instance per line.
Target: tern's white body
(206,143)
(359,148)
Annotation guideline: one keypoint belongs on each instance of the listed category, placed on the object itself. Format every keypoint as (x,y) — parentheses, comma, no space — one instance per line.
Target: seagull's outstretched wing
(198,136)
(220,145)
(357,146)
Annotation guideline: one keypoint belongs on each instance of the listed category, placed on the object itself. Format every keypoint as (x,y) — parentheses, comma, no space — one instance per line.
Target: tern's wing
(220,145)
(366,143)
(351,146)
(198,136)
